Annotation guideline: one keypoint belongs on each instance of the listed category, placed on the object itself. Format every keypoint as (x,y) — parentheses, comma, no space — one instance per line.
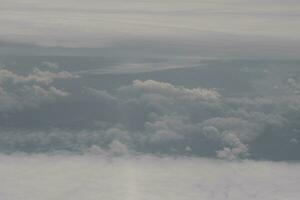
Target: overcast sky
(149,99)
(231,28)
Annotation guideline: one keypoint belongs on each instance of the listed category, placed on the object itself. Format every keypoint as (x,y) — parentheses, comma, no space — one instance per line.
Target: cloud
(190,26)
(149,116)
(151,86)
(44,77)
(29,96)
(152,114)
(117,148)
(154,117)
(34,95)
(20,91)
(95,176)
(293,85)
(168,118)
(51,65)
(236,149)
(99,94)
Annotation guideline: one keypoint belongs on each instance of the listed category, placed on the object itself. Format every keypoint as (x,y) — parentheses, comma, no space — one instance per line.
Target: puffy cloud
(117,148)
(45,77)
(34,95)
(163,118)
(29,96)
(156,87)
(51,65)
(154,116)
(293,85)
(236,149)
(99,94)
(294,141)
(20,91)
(178,116)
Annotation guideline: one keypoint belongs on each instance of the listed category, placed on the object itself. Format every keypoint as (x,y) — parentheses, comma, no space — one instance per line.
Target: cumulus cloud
(153,117)
(29,96)
(45,77)
(293,85)
(99,94)
(151,86)
(171,118)
(51,65)
(149,116)
(236,149)
(21,91)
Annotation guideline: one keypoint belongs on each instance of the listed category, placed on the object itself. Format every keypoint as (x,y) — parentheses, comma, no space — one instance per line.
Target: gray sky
(154,76)
(149,99)
(266,28)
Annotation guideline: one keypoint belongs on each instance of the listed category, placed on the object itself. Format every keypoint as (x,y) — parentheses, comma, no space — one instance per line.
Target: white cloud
(66,177)
(45,77)
(29,96)
(21,91)
(235,150)
(151,86)
(117,148)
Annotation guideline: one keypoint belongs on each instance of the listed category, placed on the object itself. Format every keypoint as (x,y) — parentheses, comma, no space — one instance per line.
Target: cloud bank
(150,116)
(147,177)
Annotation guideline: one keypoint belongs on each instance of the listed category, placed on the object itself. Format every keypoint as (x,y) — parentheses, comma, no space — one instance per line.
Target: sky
(231,28)
(149,99)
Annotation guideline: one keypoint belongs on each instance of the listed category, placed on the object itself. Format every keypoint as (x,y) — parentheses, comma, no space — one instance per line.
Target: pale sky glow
(95,23)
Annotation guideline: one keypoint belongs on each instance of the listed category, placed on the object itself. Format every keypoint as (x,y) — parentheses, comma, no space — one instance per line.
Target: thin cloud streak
(101,23)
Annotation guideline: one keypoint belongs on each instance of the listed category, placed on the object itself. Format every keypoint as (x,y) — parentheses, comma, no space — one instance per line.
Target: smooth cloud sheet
(66,177)
(205,28)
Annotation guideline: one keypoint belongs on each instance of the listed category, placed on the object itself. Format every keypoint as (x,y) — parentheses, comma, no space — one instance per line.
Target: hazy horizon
(149,99)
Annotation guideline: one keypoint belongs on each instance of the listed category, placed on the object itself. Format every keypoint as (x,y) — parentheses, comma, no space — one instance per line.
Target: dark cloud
(154,116)
(227,109)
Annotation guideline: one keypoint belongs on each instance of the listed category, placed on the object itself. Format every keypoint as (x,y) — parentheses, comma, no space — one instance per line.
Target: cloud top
(147,177)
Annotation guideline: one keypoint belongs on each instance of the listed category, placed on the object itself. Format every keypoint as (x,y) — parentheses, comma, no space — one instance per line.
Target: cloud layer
(202,28)
(56,110)
(92,177)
